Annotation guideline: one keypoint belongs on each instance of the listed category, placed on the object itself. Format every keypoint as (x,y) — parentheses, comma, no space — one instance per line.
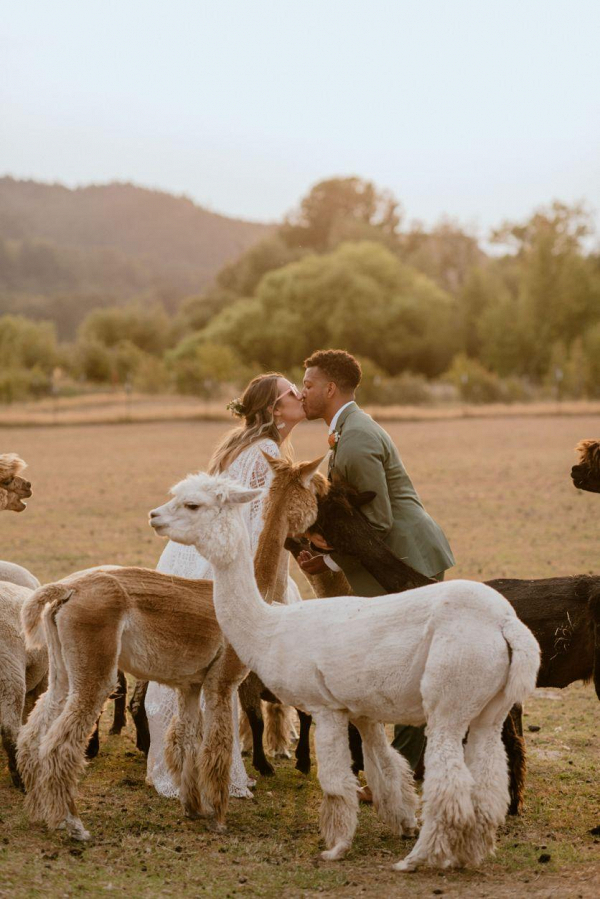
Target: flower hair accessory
(236,407)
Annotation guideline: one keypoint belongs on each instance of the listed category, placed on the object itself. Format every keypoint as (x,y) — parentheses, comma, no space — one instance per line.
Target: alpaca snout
(154,519)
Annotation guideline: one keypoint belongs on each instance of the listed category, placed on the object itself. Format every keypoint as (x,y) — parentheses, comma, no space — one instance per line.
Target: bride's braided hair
(255,406)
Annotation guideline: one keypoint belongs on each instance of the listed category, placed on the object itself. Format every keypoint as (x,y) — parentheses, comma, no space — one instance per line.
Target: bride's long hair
(255,406)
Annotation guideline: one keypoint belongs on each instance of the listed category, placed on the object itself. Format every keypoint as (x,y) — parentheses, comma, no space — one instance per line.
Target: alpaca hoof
(303,765)
(406,865)
(282,754)
(265,768)
(115,731)
(216,826)
(192,813)
(333,855)
(76,830)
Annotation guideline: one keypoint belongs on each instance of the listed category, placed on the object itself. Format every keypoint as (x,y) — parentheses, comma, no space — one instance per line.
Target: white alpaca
(453,655)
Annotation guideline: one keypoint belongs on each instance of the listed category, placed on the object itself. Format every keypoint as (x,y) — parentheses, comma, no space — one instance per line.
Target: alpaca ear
(308,470)
(244,496)
(361,499)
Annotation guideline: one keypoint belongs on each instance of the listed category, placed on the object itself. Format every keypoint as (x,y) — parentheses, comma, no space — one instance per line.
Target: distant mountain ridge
(112,241)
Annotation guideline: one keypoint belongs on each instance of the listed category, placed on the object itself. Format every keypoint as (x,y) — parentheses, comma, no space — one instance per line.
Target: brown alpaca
(13,488)
(284,508)
(158,627)
(563,613)
(586,475)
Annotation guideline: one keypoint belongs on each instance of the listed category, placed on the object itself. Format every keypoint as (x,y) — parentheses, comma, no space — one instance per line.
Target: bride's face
(288,409)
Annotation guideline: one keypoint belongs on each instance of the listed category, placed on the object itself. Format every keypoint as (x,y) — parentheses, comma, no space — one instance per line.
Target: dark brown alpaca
(563,613)
(586,475)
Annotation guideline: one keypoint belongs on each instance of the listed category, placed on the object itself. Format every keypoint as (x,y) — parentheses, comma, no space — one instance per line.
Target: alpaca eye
(191,506)
(6,483)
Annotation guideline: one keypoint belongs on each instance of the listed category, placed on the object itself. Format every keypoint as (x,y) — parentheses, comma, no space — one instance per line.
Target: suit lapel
(338,429)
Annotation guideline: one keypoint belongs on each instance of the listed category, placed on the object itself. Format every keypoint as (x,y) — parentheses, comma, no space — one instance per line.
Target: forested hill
(108,243)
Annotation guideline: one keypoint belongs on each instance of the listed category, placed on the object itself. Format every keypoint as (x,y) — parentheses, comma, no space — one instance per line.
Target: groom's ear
(361,499)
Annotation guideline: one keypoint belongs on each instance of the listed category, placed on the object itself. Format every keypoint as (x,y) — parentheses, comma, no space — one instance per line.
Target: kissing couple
(364,454)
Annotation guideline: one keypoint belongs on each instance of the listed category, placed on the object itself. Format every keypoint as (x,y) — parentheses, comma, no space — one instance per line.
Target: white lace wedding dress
(252,470)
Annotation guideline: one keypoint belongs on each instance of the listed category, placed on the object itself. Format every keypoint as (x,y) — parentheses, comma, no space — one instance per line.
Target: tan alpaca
(157,627)
(13,488)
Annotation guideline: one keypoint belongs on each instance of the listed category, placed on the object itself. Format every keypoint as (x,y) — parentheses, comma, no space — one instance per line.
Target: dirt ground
(502,492)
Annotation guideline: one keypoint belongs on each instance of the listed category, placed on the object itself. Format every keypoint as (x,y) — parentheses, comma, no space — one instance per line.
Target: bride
(270,408)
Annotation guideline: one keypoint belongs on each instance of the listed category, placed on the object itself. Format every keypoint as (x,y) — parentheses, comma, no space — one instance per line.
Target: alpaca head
(294,491)
(586,475)
(205,512)
(338,512)
(13,488)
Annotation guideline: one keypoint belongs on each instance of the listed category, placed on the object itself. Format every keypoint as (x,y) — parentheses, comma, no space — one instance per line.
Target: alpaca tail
(33,609)
(524,662)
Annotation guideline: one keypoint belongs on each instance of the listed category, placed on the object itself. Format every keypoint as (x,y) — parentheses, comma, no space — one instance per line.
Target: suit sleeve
(360,460)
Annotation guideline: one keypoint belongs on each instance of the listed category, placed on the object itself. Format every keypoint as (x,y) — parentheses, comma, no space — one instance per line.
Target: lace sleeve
(252,470)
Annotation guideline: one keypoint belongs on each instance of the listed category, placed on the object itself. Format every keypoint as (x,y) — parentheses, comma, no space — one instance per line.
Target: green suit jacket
(367,458)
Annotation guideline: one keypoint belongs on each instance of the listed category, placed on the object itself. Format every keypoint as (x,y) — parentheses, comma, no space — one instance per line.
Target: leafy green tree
(335,201)
(25,344)
(200,368)
(360,297)
(555,287)
(149,329)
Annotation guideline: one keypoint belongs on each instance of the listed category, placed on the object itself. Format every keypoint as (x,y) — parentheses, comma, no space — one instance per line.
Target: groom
(364,454)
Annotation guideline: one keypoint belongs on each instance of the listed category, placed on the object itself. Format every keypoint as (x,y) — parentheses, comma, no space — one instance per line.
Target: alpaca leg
(277,729)
(46,710)
(512,737)
(137,708)
(339,809)
(389,777)
(12,701)
(245,733)
(190,716)
(93,747)
(486,758)
(120,698)
(303,748)
(62,754)
(176,737)
(448,812)
(217,749)
(249,693)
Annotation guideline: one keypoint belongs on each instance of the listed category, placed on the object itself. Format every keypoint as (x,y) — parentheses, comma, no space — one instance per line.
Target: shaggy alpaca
(586,475)
(158,627)
(453,655)
(22,672)
(563,613)
(13,488)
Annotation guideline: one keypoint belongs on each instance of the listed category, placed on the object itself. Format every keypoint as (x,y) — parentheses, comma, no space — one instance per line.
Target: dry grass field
(501,489)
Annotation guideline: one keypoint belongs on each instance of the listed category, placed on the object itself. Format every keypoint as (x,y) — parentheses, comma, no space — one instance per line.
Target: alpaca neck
(271,574)
(246,620)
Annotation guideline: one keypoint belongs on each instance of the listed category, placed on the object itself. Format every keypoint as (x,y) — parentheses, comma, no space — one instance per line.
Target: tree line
(426,311)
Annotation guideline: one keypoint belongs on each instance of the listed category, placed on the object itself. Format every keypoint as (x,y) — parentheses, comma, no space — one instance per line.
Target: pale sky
(478,109)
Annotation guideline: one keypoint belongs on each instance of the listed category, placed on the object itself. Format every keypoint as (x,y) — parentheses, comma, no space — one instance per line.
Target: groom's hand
(311,564)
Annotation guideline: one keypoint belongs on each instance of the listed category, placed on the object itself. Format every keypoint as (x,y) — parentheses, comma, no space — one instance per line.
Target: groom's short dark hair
(339,366)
